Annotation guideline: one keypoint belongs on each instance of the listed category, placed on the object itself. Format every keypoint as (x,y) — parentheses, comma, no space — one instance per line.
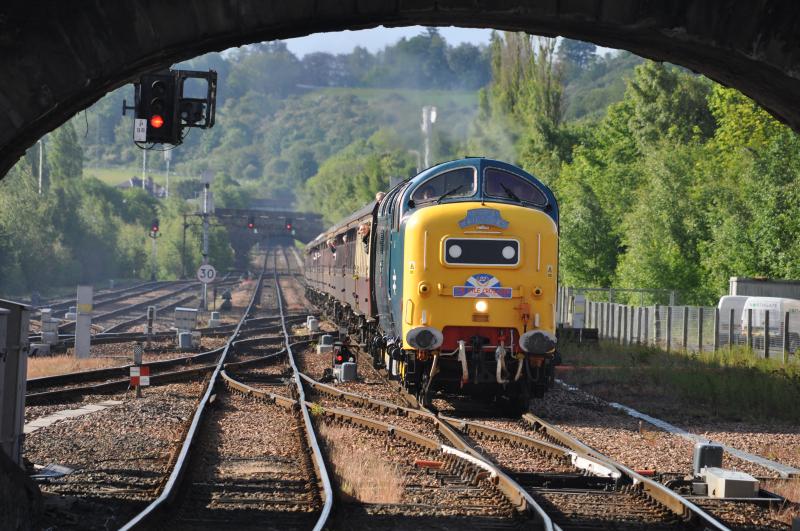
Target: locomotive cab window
(481,251)
(505,185)
(454,183)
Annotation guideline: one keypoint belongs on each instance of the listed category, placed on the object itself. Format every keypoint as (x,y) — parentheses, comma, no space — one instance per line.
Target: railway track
(246,468)
(573,485)
(120,312)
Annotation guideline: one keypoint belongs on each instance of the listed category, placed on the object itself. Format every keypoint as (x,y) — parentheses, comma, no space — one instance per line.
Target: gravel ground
(370,383)
(253,471)
(427,492)
(120,455)
(778,442)
(414,424)
(621,437)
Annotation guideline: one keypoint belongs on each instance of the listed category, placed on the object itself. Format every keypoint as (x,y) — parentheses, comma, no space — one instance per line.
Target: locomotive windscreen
(481,251)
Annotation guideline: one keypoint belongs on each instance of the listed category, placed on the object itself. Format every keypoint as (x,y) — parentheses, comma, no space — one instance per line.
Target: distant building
(154,189)
(764,287)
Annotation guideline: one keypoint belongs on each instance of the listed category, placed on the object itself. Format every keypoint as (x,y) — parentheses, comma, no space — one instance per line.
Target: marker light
(157,121)
(481,306)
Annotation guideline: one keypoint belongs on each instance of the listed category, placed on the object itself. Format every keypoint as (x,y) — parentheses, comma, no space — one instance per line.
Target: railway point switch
(346,372)
(706,456)
(325,344)
(185,319)
(729,483)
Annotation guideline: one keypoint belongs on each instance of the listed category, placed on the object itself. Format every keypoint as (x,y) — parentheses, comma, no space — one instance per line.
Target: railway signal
(165,105)
(288,225)
(156,98)
(251,223)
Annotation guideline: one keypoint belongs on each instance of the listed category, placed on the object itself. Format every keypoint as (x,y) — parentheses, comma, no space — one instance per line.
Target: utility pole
(167,159)
(41,162)
(183,248)
(144,168)
(155,259)
(206,205)
(428,119)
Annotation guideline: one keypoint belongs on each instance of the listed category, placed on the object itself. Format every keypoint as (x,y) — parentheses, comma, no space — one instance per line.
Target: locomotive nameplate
(482,286)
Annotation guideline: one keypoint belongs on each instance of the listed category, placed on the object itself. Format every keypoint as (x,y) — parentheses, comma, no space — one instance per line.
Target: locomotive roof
(475,162)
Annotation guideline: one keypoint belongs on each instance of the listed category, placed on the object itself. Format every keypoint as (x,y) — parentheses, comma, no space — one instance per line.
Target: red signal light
(339,358)
(250,225)
(288,226)
(157,121)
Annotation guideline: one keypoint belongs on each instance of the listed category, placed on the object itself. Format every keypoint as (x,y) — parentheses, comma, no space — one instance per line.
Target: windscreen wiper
(449,192)
(510,194)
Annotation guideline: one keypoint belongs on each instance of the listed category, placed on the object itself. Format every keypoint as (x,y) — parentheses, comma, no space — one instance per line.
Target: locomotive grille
(481,251)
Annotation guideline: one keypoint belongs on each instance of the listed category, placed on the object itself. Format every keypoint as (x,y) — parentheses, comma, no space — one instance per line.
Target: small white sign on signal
(140,130)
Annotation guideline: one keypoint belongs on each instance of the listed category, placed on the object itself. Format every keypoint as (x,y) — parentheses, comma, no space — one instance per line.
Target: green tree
(65,154)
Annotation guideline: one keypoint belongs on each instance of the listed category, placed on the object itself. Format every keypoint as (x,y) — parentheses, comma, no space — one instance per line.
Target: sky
(377,38)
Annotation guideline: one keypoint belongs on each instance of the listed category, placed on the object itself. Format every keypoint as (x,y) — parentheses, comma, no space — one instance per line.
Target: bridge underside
(59,57)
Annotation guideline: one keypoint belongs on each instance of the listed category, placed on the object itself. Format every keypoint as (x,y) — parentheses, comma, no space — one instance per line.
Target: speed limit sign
(206,274)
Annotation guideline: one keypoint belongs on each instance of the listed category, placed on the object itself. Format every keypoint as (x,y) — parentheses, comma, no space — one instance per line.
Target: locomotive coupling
(424,338)
(537,342)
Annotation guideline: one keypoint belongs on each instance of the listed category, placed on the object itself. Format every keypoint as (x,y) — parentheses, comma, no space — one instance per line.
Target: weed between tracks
(360,474)
(52,365)
(731,385)
(789,489)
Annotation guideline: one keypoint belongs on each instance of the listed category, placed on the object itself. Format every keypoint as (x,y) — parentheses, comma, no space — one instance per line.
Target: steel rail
(661,493)
(170,489)
(319,462)
(418,439)
(513,491)
(70,325)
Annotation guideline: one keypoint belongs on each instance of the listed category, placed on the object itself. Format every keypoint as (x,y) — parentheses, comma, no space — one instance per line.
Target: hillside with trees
(323,132)
(679,185)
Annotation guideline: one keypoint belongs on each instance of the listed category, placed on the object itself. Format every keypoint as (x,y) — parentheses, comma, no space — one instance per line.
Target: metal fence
(688,328)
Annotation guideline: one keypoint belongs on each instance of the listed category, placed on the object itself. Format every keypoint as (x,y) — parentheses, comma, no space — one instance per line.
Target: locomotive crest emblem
(482,286)
(483,216)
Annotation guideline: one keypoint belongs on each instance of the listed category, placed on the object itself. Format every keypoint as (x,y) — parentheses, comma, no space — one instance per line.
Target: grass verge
(728,384)
(362,475)
(52,365)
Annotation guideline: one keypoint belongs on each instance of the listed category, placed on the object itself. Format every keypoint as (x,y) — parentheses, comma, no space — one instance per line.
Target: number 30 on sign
(206,274)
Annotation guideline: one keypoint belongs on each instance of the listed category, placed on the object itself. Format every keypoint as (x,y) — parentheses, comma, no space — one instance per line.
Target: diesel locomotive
(450,280)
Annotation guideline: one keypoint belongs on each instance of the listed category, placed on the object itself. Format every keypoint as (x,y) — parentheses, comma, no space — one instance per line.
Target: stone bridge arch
(59,57)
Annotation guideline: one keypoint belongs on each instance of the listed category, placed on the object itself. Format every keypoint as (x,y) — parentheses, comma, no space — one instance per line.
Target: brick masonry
(59,57)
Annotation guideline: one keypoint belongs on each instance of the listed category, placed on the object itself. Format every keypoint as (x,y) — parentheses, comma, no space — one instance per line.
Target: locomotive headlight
(481,306)
(424,338)
(508,252)
(454,251)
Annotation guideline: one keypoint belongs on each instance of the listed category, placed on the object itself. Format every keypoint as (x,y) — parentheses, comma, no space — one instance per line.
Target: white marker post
(206,274)
(83,325)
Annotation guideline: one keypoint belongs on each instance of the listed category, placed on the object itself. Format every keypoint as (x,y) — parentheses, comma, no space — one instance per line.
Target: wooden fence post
(699,329)
(786,338)
(685,328)
(669,328)
(730,328)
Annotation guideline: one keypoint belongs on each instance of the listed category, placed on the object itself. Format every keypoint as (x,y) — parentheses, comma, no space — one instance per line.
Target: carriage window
(506,185)
(454,183)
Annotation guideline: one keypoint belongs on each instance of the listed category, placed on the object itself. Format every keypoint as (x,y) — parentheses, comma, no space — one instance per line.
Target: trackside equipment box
(185,319)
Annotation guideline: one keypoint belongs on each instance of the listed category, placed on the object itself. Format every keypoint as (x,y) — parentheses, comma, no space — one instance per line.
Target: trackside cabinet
(14,320)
